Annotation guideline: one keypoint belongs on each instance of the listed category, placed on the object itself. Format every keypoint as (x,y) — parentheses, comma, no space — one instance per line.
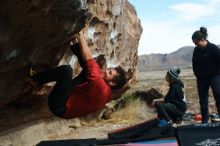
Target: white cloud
(168,36)
(195,11)
(214,3)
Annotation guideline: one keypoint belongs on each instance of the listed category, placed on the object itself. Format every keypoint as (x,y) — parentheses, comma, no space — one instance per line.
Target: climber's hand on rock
(74,40)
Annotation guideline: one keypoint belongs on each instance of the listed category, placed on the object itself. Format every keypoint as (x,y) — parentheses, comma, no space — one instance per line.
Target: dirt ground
(53,128)
(16,130)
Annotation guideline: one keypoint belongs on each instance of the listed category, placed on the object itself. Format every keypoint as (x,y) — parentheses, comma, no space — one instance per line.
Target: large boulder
(34,31)
(39,32)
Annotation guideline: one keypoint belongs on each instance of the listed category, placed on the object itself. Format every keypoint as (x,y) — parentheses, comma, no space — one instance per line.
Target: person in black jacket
(206,67)
(173,106)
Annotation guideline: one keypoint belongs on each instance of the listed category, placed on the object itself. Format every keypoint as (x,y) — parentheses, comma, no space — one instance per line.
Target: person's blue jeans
(203,91)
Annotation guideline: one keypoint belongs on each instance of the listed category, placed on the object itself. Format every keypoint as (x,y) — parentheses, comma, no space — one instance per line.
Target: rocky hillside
(180,58)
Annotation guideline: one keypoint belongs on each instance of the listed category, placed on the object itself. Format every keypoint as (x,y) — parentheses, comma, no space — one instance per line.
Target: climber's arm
(84,49)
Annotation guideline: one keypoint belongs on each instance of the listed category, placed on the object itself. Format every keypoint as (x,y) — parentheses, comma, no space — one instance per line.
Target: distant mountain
(180,58)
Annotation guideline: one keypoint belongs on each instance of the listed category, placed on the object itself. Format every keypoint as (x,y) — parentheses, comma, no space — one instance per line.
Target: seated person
(173,106)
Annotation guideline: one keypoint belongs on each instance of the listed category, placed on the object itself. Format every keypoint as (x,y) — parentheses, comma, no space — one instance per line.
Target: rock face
(149,96)
(39,31)
(33,31)
(179,58)
(115,31)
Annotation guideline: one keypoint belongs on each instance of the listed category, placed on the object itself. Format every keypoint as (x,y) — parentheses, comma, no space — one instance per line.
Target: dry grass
(135,111)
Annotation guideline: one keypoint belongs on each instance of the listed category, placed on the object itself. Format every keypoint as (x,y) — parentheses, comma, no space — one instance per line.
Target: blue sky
(168,24)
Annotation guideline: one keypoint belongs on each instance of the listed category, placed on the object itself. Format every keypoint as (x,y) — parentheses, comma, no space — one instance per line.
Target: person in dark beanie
(173,106)
(206,67)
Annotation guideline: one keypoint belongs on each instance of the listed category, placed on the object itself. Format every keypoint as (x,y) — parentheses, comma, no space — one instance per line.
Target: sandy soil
(54,128)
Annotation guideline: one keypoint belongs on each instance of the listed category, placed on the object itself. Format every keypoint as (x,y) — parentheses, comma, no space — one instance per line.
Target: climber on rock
(85,94)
